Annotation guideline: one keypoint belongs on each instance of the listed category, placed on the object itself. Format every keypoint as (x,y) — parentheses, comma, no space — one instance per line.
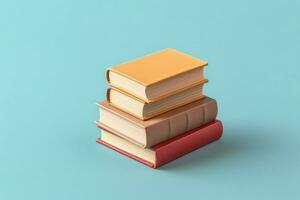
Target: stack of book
(155,110)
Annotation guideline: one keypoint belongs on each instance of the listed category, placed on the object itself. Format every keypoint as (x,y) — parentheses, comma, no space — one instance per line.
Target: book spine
(107,75)
(180,146)
(181,123)
(108,90)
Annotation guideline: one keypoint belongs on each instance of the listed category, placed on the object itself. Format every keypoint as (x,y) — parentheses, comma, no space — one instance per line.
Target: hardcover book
(157,75)
(144,111)
(168,150)
(160,128)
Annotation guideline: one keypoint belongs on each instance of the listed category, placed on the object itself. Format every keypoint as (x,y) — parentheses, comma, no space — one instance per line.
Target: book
(157,75)
(160,128)
(168,150)
(144,111)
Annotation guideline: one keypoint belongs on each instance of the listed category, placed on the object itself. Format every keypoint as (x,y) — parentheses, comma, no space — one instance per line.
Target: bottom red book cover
(166,151)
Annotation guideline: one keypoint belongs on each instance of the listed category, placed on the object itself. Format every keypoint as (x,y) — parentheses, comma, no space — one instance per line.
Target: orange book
(145,111)
(157,75)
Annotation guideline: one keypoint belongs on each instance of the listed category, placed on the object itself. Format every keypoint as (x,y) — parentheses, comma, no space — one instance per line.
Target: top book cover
(157,75)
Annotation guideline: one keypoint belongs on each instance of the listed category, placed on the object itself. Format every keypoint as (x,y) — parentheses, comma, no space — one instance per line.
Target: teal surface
(53,56)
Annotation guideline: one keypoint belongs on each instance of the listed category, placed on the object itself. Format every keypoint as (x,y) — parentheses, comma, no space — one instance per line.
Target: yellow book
(157,75)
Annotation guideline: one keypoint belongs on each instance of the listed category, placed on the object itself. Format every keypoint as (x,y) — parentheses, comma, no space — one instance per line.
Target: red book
(166,151)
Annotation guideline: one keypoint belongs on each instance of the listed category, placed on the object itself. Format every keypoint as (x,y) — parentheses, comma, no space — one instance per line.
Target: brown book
(160,128)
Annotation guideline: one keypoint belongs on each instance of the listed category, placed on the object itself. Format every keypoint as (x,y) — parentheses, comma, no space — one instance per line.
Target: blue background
(53,56)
